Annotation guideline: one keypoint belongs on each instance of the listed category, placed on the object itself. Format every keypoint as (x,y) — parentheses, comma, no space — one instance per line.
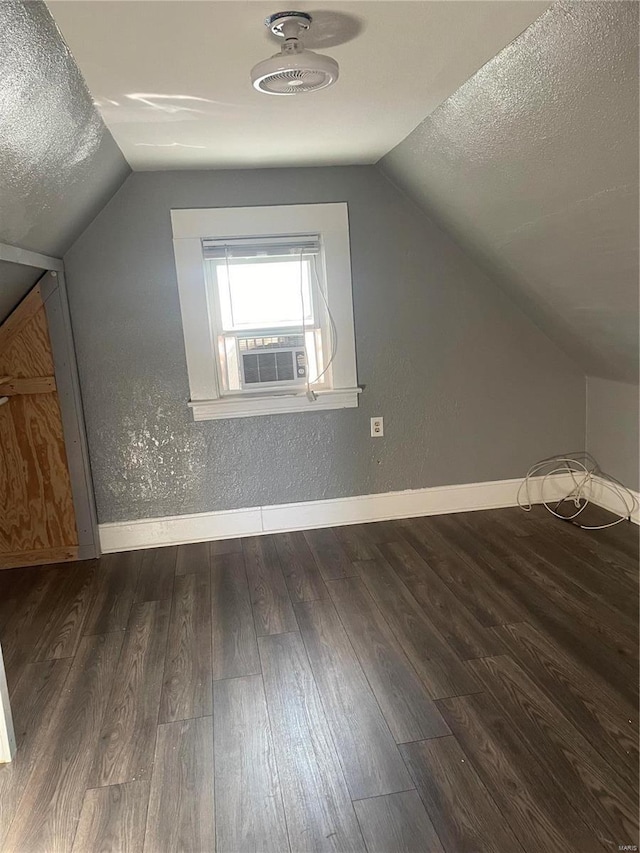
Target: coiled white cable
(583,469)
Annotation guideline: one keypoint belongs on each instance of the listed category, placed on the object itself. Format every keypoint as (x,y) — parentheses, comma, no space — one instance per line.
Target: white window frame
(190,228)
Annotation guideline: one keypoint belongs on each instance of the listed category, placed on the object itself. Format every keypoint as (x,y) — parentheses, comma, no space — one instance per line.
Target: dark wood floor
(463,683)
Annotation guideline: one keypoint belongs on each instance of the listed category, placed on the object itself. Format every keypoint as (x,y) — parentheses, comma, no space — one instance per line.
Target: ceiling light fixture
(294,70)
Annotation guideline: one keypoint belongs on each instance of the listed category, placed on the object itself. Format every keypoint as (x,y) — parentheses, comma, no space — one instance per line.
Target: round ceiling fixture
(294,70)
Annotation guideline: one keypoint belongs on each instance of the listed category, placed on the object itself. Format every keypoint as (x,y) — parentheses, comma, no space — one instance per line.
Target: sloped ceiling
(533,166)
(532,163)
(58,162)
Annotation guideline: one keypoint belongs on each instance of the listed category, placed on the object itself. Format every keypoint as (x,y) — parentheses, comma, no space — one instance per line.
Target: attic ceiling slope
(58,163)
(533,166)
(171,78)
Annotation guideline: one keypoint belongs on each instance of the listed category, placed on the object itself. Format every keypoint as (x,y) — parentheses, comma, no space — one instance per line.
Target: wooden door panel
(25,349)
(37,519)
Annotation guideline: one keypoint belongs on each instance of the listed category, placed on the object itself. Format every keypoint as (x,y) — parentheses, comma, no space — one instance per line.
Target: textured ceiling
(58,162)
(533,166)
(171,78)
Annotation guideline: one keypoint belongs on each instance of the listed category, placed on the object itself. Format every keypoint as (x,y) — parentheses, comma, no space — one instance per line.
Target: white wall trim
(27,258)
(335,512)
(605,498)
(249,407)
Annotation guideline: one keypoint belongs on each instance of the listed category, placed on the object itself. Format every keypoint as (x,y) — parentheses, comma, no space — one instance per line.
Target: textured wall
(533,166)
(469,388)
(58,163)
(613,435)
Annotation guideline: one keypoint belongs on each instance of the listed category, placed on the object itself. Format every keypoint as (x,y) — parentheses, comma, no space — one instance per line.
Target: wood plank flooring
(453,684)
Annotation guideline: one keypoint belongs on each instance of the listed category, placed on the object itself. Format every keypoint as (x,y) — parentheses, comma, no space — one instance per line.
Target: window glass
(264,293)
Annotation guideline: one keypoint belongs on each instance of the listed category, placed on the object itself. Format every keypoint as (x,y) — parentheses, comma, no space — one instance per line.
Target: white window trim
(190,227)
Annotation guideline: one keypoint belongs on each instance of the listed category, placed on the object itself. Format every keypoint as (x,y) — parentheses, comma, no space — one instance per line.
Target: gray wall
(533,166)
(469,388)
(58,162)
(613,438)
(15,281)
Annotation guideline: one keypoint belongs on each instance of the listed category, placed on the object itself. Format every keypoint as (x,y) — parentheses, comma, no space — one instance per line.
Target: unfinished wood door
(37,517)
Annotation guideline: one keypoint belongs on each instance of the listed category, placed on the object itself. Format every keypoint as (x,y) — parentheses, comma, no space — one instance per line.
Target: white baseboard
(605,498)
(335,512)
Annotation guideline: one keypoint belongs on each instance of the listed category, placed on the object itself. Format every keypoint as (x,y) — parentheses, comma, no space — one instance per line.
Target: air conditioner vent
(269,366)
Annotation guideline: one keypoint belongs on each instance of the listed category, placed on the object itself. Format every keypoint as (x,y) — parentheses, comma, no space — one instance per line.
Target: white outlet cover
(377,427)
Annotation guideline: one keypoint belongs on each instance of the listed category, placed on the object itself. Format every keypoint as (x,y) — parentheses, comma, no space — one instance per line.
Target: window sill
(249,407)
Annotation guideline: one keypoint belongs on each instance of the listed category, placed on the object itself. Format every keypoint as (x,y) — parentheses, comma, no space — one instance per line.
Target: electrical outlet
(377,427)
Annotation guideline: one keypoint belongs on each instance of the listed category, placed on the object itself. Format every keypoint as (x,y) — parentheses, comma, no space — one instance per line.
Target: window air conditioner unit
(272,360)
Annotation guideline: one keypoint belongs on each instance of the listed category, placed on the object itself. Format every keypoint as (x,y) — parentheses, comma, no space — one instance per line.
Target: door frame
(54,294)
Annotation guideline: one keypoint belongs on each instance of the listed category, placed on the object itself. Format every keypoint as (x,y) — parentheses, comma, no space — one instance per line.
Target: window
(265,294)
(267,305)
